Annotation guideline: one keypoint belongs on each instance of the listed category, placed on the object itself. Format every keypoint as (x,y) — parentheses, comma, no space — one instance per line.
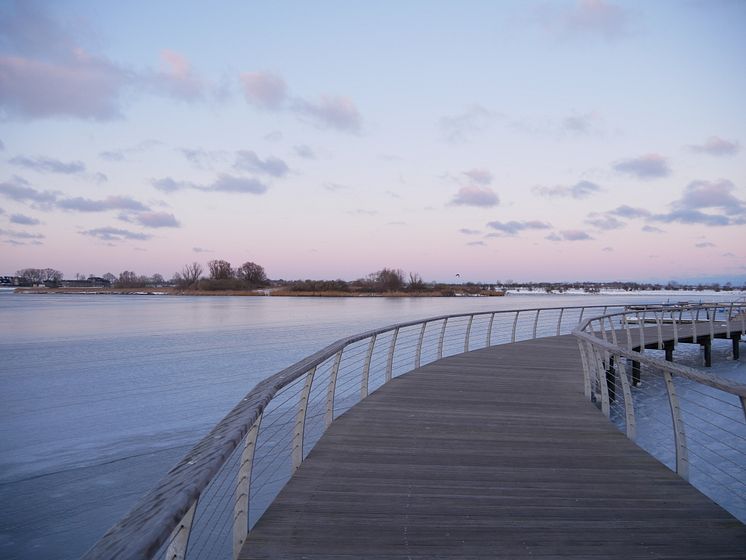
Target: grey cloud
(462,127)
(605,222)
(48,165)
(698,195)
(229,183)
(111,156)
(24,220)
(716,146)
(204,158)
(123,153)
(476,243)
(467,231)
(201,250)
(109,203)
(167,184)
(157,220)
(273,136)
(692,217)
(248,160)
(648,166)
(264,90)
(579,124)
(20,191)
(625,211)
(575,235)
(269,91)
(553,237)
(20,234)
(514,227)
(711,194)
(115,234)
(475,196)
(608,249)
(304,151)
(396,223)
(704,245)
(581,189)
(330,111)
(481,176)
(2,146)
(652,229)
(51,74)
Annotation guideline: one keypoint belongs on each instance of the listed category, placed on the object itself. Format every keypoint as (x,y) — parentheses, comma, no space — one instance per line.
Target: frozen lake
(101,395)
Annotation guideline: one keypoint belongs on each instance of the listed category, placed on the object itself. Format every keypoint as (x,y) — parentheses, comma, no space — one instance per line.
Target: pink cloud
(264,89)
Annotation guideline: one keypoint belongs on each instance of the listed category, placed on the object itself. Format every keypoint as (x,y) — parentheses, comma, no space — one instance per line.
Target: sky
(497,140)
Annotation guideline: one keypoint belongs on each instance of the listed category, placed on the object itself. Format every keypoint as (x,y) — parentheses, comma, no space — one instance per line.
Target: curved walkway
(490,454)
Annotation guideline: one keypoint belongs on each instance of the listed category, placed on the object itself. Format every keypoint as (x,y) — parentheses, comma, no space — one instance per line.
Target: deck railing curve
(692,421)
(206,504)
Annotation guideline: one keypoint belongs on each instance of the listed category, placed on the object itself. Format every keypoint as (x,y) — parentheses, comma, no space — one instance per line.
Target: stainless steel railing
(691,420)
(204,507)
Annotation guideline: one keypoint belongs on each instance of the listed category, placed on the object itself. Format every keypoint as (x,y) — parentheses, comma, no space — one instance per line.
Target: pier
(482,435)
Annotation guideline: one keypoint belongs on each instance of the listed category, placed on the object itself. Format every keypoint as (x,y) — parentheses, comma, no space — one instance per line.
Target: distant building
(13,281)
(90,282)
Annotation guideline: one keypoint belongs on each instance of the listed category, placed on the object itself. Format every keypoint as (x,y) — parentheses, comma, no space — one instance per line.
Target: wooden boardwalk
(490,454)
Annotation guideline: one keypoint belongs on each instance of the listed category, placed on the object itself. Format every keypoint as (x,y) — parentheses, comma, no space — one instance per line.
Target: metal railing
(205,506)
(692,421)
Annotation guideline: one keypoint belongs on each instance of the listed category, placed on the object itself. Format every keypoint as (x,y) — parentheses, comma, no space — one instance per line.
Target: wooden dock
(490,454)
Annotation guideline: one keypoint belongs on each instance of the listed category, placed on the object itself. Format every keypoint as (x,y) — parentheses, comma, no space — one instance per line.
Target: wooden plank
(490,454)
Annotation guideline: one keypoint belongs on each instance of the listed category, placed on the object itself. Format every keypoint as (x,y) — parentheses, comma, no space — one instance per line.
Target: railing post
(300,420)
(601,380)
(629,407)
(418,353)
(468,334)
(366,368)
(441,338)
(659,324)
(536,323)
(489,331)
(390,360)
(242,496)
(559,321)
(641,327)
(515,324)
(583,346)
(329,417)
(179,539)
(682,456)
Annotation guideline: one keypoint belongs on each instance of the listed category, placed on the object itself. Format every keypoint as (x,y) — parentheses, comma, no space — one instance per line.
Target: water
(101,395)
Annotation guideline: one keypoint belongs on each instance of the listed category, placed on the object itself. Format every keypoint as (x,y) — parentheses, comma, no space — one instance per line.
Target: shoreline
(241,293)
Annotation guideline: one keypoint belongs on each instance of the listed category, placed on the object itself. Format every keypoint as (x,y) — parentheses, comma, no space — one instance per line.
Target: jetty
(489,435)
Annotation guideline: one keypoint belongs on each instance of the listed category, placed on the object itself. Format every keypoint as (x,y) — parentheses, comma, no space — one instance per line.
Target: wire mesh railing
(692,421)
(205,506)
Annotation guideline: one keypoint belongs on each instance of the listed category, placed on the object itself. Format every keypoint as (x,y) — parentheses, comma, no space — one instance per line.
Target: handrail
(163,517)
(707,427)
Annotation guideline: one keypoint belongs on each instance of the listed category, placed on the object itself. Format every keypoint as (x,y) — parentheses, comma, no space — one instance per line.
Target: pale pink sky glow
(572,140)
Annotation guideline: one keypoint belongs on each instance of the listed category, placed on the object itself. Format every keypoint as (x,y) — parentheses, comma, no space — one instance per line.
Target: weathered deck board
(490,454)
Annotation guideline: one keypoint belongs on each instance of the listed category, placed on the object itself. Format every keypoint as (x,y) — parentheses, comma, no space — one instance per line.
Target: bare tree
(39,275)
(389,279)
(157,279)
(128,279)
(415,282)
(253,274)
(190,274)
(220,270)
(110,277)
